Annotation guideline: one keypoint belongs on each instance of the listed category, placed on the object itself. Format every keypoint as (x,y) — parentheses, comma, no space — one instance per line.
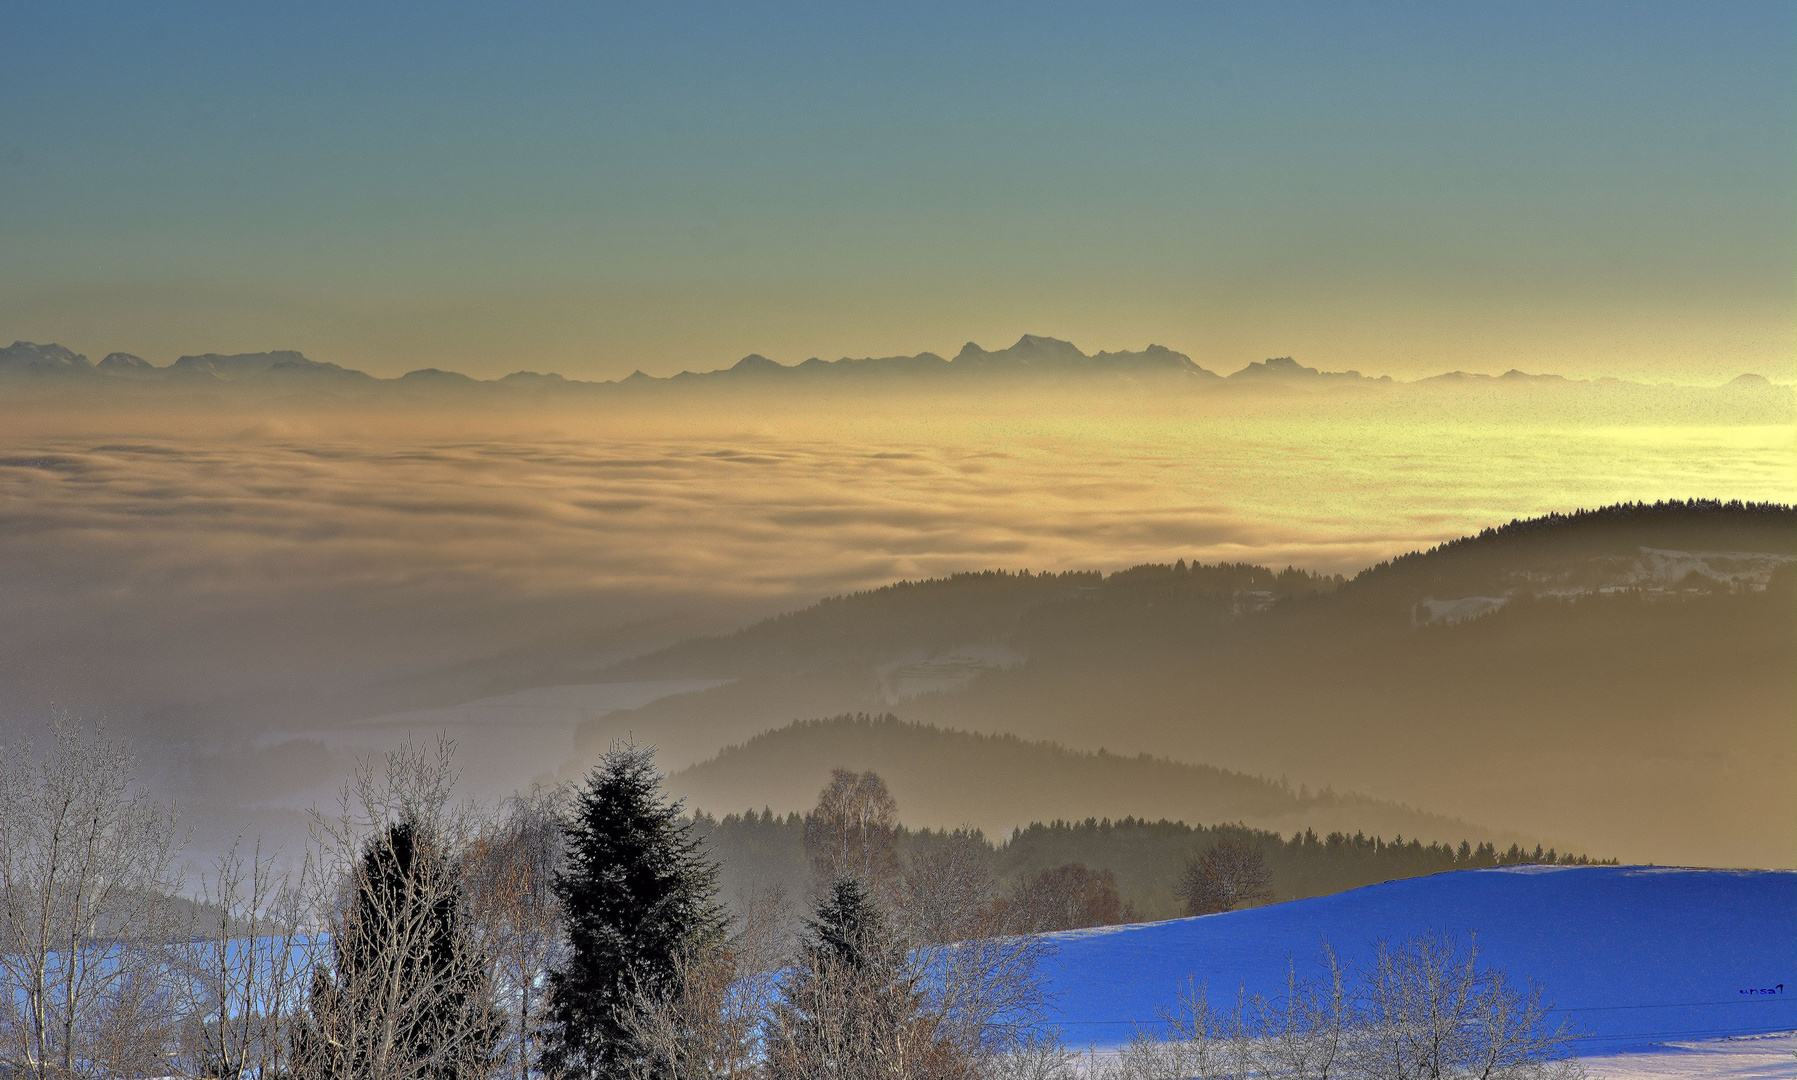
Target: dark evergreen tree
(406,993)
(851,1008)
(849,930)
(636,894)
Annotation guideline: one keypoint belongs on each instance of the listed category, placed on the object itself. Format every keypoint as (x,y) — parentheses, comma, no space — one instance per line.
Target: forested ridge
(1584,548)
(1041,608)
(999,781)
(1671,521)
(1633,658)
(936,614)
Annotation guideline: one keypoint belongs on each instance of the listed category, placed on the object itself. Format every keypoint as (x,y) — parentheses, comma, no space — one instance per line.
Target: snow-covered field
(1745,1057)
(1664,972)
(1749,1057)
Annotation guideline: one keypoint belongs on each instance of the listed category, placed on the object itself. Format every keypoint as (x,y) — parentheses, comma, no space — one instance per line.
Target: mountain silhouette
(1033,359)
(24,357)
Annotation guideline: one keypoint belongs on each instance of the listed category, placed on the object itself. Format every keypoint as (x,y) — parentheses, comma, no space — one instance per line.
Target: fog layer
(229,578)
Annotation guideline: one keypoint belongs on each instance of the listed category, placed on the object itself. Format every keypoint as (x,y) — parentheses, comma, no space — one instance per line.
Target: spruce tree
(849,930)
(851,1008)
(636,894)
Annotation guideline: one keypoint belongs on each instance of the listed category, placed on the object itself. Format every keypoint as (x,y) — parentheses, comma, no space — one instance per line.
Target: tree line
(1145,863)
(584,932)
(1711,523)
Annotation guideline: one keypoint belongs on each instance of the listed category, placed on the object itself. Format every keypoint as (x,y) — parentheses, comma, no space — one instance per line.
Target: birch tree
(87,870)
(244,970)
(511,887)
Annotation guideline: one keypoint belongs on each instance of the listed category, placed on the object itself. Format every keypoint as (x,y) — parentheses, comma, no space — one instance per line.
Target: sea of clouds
(217,584)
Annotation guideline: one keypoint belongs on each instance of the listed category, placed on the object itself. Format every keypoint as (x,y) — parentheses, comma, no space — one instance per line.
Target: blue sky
(1591,188)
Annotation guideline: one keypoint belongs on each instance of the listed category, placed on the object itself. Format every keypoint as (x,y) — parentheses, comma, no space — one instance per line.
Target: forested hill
(1676,548)
(912,621)
(1680,545)
(949,779)
(1616,680)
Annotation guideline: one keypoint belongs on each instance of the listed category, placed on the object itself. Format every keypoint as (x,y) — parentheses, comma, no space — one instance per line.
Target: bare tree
(985,994)
(243,973)
(87,869)
(852,1006)
(1064,898)
(712,1026)
(510,873)
(978,979)
(1230,874)
(1432,1011)
(1310,1032)
(1195,1041)
(949,894)
(404,993)
(1041,1056)
(853,832)
(709,1028)
(1423,1010)
(860,1002)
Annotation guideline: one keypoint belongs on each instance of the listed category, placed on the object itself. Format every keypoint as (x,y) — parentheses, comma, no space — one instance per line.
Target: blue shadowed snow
(1631,955)
(96,963)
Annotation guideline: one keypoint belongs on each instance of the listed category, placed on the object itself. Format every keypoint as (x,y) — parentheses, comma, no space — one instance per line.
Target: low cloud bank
(216,581)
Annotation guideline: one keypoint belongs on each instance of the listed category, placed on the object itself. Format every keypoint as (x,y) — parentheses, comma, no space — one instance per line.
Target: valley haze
(262,566)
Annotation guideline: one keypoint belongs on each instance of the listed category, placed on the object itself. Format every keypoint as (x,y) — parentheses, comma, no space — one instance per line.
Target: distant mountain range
(1031,358)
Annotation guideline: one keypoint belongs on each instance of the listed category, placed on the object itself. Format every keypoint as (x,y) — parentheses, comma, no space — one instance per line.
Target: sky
(1591,189)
